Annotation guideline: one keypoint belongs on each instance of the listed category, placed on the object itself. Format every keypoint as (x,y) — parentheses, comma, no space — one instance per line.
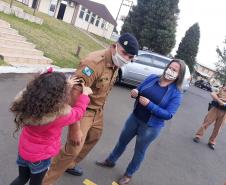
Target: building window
(97,21)
(93,18)
(103,24)
(52,7)
(82,12)
(106,26)
(87,16)
(26,2)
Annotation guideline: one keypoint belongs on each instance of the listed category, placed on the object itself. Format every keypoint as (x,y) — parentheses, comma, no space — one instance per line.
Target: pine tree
(188,47)
(135,20)
(154,22)
(221,64)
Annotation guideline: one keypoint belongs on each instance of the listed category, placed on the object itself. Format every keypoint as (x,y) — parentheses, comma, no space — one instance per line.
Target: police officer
(99,71)
(216,116)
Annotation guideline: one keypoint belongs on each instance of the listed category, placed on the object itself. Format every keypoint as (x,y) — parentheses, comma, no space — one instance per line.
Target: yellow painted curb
(114,183)
(88,182)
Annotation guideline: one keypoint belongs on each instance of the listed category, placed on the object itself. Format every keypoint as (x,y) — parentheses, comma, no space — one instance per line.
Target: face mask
(170,74)
(118,60)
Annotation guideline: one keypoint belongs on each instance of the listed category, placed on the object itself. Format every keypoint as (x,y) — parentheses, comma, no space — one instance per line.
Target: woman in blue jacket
(157,100)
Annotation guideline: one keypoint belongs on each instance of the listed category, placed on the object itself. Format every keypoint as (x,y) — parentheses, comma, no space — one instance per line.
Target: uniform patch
(87,71)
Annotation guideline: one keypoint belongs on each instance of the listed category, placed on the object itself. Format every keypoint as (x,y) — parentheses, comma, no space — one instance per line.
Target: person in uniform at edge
(216,115)
(99,71)
(157,99)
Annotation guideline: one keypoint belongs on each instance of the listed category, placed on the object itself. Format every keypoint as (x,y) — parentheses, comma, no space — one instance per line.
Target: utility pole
(119,10)
(122,4)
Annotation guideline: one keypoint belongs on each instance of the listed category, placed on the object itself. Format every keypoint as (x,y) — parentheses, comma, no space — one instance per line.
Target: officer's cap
(129,43)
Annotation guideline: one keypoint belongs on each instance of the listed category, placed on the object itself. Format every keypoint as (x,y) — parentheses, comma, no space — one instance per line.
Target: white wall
(30,3)
(19,1)
(103,32)
(44,6)
(68,14)
(107,33)
(81,23)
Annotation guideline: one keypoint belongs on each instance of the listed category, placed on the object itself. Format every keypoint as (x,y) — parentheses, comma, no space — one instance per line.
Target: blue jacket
(168,105)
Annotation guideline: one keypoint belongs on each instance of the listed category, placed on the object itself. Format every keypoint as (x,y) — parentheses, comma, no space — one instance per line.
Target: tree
(188,47)
(134,21)
(154,23)
(221,64)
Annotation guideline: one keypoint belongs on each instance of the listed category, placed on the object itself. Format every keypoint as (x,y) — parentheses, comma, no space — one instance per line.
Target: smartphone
(81,81)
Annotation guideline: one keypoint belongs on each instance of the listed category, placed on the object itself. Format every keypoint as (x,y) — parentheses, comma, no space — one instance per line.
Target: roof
(98,9)
(203,74)
(207,67)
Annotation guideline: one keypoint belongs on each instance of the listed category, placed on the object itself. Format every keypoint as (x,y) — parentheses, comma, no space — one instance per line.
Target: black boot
(196,139)
(211,146)
(76,171)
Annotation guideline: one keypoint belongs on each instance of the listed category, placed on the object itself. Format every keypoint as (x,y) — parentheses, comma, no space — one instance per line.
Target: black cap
(129,43)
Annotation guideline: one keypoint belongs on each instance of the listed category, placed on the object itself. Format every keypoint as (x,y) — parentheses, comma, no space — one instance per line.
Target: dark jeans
(25,175)
(144,136)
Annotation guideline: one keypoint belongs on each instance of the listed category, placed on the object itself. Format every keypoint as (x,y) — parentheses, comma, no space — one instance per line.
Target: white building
(88,15)
(206,73)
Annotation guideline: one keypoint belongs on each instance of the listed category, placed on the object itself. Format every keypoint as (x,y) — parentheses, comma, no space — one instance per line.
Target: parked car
(145,64)
(203,85)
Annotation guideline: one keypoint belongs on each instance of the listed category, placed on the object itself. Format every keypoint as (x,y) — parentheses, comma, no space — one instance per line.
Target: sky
(210,14)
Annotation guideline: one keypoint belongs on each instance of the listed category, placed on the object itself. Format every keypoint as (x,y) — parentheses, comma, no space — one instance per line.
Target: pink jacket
(44,140)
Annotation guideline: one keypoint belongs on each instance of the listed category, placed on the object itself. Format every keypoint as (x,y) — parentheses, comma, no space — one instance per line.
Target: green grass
(104,40)
(2,62)
(57,39)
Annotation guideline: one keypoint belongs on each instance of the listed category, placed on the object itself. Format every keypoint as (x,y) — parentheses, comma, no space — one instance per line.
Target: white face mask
(118,60)
(170,74)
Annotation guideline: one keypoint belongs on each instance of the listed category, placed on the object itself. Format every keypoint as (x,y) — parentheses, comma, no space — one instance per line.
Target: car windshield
(152,61)
(160,62)
(144,59)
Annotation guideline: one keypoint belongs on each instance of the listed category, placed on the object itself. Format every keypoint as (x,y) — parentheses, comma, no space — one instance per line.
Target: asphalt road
(173,159)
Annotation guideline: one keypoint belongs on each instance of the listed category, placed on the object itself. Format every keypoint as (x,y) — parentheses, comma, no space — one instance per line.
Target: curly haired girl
(41,111)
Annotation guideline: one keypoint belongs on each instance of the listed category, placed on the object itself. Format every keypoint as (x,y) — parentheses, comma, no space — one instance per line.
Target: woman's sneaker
(124,180)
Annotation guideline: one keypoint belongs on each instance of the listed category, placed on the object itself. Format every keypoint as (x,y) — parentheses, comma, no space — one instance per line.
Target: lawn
(104,40)
(2,62)
(57,39)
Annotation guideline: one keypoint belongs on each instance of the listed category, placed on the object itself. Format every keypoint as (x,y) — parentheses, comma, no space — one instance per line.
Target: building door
(61,11)
(34,4)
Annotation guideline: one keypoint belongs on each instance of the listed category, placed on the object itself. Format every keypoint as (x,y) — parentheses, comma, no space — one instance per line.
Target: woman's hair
(181,74)
(43,95)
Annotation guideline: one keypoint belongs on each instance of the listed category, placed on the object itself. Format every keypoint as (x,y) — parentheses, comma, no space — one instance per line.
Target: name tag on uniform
(87,71)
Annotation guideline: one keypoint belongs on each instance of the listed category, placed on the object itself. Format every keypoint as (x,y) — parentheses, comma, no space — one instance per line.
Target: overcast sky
(210,14)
